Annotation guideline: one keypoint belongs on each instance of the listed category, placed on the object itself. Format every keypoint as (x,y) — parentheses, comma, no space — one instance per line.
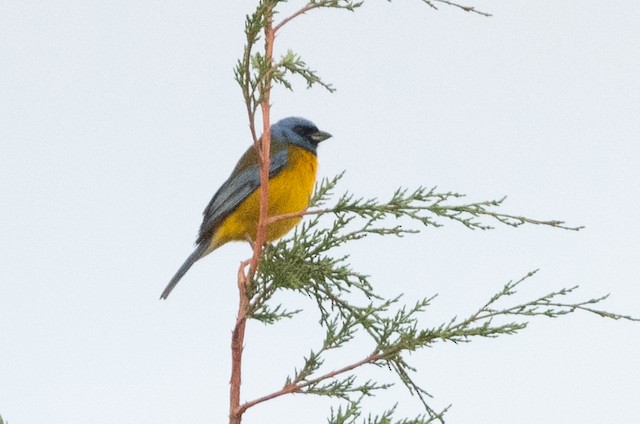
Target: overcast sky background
(120,119)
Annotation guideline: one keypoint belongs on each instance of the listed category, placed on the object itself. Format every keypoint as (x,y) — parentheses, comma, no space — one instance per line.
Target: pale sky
(120,119)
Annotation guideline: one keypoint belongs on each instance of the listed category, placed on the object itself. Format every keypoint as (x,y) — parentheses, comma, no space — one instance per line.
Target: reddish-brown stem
(275,218)
(300,11)
(237,345)
(265,147)
(297,386)
(244,277)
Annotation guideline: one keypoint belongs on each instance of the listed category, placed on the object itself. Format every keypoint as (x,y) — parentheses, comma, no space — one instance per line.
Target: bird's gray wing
(237,188)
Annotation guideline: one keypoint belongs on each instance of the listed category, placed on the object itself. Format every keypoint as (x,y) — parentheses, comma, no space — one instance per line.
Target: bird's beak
(320,136)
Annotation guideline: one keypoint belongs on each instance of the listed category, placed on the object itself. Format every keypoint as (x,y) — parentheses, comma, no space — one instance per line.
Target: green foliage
(348,305)
(351,412)
(292,63)
(310,264)
(255,74)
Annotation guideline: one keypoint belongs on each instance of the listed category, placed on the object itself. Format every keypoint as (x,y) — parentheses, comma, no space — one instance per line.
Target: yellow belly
(289,192)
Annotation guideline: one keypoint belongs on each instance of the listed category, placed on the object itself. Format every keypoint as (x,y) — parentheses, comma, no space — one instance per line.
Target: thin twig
(460,6)
(297,387)
(299,12)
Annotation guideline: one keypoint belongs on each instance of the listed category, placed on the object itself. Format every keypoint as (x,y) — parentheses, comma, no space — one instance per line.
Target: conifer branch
(422,205)
(316,4)
(348,307)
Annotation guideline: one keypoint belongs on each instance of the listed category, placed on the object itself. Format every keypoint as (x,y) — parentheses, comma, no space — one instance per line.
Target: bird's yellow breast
(289,192)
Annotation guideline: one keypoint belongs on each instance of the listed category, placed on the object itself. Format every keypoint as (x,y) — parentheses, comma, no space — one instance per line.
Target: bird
(232,214)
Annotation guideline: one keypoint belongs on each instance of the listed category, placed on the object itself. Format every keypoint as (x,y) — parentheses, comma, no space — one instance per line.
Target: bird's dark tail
(197,254)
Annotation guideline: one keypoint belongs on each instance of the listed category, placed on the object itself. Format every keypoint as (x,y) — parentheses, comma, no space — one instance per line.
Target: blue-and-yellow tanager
(232,214)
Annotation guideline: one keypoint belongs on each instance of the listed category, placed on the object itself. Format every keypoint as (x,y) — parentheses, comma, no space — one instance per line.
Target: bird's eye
(304,131)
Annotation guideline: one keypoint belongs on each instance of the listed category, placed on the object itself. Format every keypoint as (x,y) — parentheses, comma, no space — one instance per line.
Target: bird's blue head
(298,131)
